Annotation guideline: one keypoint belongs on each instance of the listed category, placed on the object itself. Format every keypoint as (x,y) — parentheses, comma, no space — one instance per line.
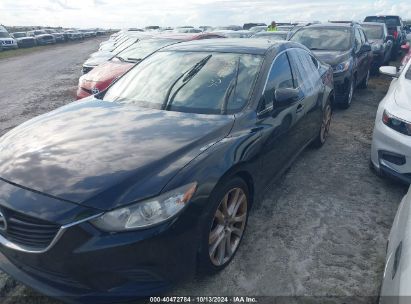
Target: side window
(304,70)
(357,40)
(280,77)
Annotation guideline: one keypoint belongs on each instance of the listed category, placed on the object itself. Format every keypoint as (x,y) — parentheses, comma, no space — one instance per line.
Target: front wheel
(365,81)
(348,99)
(224,226)
(325,126)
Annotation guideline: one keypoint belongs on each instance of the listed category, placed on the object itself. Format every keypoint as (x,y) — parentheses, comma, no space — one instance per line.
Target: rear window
(373,31)
(390,21)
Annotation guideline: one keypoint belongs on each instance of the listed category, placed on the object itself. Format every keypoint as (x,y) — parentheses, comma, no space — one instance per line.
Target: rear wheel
(225,225)
(325,126)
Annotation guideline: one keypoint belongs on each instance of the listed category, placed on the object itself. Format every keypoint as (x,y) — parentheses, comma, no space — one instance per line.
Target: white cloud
(125,13)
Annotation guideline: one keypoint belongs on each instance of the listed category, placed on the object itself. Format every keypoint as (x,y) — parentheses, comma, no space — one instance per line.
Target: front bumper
(86,265)
(391,152)
(9,46)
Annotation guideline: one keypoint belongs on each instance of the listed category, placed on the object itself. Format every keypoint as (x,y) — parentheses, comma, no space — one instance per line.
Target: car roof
(229,45)
(332,24)
(272,33)
(182,36)
(373,23)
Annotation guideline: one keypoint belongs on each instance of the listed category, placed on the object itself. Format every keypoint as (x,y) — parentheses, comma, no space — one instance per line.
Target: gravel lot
(320,231)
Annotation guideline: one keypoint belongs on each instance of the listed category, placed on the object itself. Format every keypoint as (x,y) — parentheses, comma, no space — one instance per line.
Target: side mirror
(389,37)
(365,48)
(284,97)
(389,71)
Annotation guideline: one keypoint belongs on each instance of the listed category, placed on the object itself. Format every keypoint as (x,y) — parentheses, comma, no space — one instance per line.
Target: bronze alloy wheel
(325,126)
(228,226)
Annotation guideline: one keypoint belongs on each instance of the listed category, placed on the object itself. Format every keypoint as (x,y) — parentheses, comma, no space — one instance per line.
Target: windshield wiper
(130,59)
(119,58)
(188,75)
(230,89)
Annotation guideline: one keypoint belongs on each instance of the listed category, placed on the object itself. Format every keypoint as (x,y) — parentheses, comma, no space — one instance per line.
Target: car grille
(28,231)
(8,42)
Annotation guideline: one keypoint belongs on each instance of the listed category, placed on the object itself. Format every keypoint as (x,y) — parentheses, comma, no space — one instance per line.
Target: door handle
(300,107)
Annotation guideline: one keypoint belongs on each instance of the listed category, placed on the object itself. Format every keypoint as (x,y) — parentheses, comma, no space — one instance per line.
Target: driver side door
(281,139)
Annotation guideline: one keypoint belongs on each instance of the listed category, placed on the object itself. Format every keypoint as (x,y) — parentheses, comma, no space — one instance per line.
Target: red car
(102,76)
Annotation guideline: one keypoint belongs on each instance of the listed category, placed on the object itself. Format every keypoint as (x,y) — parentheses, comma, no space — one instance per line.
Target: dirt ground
(321,230)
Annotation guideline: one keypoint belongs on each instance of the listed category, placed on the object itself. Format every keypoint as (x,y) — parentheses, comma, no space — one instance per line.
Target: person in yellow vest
(272,27)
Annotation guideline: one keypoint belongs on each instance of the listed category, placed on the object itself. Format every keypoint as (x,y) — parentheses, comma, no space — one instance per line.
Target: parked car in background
(7,41)
(395,28)
(381,43)
(23,40)
(345,47)
(168,161)
(248,26)
(100,57)
(233,34)
(395,288)
(42,37)
(285,28)
(59,36)
(259,28)
(229,28)
(71,35)
(190,30)
(100,77)
(87,33)
(391,141)
(278,35)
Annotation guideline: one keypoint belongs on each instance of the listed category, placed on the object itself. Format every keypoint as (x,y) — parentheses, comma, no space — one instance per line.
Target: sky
(140,13)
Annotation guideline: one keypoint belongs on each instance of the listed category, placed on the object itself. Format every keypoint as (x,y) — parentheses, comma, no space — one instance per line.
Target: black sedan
(345,47)
(126,191)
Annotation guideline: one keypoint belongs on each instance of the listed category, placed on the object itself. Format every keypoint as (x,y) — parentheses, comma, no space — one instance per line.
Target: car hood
(95,61)
(24,38)
(332,57)
(105,154)
(6,39)
(403,94)
(108,71)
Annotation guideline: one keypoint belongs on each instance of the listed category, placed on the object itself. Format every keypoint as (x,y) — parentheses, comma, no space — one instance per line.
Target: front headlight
(342,67)
(396,123)
(147,213)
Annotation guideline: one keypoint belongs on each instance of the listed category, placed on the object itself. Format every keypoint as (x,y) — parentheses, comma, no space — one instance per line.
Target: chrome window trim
(6,243)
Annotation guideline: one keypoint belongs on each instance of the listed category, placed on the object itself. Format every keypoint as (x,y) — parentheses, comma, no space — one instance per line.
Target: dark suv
(395,28)
(345,47)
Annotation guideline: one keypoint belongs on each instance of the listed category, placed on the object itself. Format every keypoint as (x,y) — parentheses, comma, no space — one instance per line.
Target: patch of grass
(21,51)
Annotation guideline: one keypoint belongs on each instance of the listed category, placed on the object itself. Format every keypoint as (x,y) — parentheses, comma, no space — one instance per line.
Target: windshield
(373,31)
(4,35)
(125,44)
(143,48)
(39,32)
(329,39)
(194,82)
(390,21)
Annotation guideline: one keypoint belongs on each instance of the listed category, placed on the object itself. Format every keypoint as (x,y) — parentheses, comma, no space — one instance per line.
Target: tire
(364,83)
(348,100)
(325,126)
(394,53)
(219,225)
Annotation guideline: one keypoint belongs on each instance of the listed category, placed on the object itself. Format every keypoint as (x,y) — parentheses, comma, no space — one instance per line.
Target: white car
(391,142)
(396,284)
